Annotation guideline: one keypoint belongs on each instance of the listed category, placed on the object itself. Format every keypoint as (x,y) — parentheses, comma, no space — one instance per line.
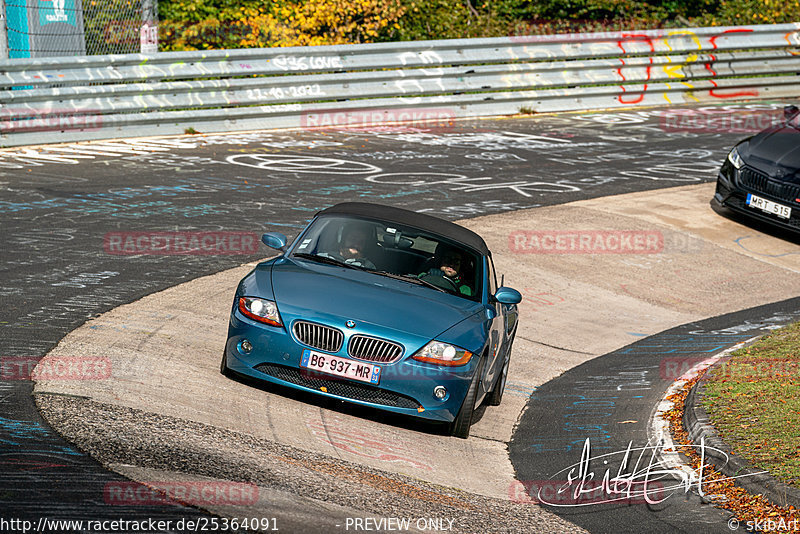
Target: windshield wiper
(328,260)
(412,279)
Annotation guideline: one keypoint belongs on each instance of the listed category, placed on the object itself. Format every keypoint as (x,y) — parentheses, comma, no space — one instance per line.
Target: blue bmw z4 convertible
(382,307)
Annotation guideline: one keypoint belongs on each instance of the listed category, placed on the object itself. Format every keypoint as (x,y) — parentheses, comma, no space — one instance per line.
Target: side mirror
(506,295)
(790,112)
(274,240)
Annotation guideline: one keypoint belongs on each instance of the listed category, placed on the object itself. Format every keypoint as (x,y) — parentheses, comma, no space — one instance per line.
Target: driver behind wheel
(448,265)
(352,247)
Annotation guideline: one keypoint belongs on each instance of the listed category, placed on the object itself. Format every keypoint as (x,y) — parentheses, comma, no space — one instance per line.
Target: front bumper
(731,195)
(406,387)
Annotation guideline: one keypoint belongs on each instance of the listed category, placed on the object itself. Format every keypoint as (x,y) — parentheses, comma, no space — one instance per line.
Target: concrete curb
(755,481)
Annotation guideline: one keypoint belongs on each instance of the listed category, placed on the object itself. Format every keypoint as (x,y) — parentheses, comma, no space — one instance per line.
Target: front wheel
(496,396)
(223,366)
(463,421)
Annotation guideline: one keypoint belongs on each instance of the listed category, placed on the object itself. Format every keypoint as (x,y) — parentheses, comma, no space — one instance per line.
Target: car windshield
(394,250)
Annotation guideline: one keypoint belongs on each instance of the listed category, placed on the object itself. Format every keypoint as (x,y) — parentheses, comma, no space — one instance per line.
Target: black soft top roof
(422,221)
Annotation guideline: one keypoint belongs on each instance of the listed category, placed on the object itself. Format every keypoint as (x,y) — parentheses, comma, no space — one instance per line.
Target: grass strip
(753,401)
(749,510)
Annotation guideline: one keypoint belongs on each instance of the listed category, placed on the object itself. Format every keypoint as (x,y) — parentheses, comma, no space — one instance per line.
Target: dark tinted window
(397,249)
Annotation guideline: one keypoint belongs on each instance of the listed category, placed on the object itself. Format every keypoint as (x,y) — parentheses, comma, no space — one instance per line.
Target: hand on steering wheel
(437,278)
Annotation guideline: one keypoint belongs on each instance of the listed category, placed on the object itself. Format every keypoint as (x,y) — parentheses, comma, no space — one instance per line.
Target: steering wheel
(440,280)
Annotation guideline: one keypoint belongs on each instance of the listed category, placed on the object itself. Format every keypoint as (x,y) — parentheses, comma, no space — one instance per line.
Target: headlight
(261,310)
(443,354)
(735,158)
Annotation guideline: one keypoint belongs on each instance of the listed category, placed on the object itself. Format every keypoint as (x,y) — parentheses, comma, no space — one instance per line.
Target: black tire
(463,421)
(223,367)
(496,396)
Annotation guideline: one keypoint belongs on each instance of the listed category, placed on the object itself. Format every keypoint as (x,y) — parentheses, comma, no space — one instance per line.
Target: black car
(761,175)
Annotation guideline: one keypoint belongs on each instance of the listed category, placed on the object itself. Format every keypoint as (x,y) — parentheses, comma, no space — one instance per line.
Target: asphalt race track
(605,400)
(608,320)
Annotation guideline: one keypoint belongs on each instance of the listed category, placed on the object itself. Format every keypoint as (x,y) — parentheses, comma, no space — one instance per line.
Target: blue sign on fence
(51,11)
(44,28)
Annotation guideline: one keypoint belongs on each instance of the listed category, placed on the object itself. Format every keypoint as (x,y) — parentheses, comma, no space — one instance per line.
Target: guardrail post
(3,31)
(149,29)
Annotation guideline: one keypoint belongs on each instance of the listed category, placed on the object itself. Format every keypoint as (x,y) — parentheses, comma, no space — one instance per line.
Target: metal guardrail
(67,99)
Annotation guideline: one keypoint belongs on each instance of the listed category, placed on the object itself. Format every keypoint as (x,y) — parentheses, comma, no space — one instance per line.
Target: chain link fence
(44,28)
(120,26)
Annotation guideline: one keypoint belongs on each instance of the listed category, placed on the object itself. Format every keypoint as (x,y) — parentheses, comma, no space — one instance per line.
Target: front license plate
(333,365)
(769,206)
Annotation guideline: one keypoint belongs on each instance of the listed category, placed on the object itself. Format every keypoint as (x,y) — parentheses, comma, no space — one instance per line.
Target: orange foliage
(309,23)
